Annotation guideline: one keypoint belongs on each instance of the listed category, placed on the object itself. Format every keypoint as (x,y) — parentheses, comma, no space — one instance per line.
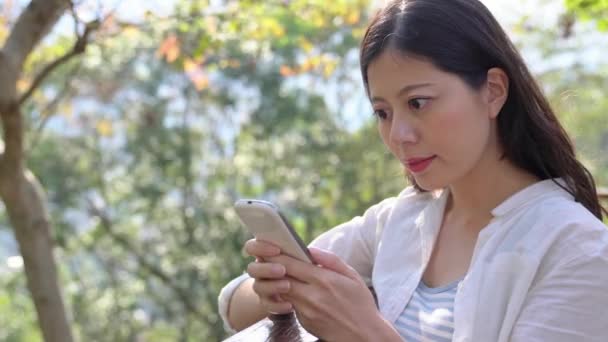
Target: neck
(484,188)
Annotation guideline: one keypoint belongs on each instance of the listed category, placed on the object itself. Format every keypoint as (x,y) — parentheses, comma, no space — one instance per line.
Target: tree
(150,172)
(20,191)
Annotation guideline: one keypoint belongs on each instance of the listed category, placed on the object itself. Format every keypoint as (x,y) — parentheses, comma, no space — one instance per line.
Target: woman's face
(432,121)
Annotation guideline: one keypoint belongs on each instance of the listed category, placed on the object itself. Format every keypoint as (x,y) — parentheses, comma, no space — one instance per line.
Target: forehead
(392,70)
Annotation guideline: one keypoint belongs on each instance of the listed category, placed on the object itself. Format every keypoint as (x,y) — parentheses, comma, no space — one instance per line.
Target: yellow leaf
(306,66)
(130,31)
(318,21)
(358,32)
(66,109)
(328,69)
(190,65)
(272,27)
(196,74)
(200,80)
(211,24)
(315,61)
(169,49)
(306,45)
(278,31)
(312,62)
(172,54)
(353,18)
(3,33)
(23,85)
(104,127)
(286,71)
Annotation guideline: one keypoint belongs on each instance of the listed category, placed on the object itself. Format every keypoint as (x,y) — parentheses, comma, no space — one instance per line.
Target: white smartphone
(264,220)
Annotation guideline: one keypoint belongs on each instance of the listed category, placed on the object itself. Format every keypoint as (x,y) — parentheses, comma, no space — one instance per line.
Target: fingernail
(278,269)
(284,287)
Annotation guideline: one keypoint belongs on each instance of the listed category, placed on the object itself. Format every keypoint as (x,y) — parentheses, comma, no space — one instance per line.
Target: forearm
(245,308)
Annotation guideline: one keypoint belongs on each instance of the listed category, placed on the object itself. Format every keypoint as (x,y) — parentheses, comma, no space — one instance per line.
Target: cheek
(446,130)
(384,131)
(461,134)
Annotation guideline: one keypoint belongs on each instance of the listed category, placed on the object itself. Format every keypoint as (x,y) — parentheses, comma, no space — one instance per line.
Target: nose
(402,130)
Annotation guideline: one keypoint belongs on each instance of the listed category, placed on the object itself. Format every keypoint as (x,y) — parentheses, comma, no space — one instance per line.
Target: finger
(276,307)
(265,270)
(261,249)
(332,262)
(303,271)
(266,289)
(298,291)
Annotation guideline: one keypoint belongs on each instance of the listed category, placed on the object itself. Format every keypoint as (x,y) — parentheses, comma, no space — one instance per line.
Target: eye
(417,103)
(380,114)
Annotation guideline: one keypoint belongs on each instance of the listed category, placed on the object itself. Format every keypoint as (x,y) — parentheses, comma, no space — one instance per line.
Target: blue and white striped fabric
(429,315)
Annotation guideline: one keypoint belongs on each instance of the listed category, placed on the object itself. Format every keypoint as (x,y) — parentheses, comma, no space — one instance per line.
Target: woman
(499,239)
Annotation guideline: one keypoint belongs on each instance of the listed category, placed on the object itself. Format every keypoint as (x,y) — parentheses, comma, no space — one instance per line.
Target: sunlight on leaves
(104,128)
(196,74)
(287,71)
(169,49)
(23,85)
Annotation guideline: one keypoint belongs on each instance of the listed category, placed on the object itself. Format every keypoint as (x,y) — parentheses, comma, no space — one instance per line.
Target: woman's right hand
(269,278)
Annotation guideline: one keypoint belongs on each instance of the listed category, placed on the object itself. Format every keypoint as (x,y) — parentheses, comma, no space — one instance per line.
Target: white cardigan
(539,270)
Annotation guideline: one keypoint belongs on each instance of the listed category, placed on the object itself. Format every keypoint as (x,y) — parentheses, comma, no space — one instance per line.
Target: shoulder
(356,241)
(570,222)
(562,231)
(409,203)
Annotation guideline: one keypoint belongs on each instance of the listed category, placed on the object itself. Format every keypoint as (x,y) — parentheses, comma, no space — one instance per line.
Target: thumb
(332,262)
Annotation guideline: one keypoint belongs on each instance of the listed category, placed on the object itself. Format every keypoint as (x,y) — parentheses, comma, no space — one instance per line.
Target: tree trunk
(24,201)
(19,189)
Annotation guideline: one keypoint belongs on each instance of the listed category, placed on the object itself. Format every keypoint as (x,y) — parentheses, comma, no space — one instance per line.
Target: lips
(414,161)
(418,165)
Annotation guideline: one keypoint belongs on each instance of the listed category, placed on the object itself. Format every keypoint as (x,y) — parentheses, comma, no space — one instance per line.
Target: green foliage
(591,10)
(18,317)
(162,126)
(139,162)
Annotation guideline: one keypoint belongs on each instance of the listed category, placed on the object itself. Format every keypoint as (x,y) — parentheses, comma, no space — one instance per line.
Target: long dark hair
(462,37)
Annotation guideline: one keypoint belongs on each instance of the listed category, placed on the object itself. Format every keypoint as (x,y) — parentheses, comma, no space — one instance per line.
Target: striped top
(429,315)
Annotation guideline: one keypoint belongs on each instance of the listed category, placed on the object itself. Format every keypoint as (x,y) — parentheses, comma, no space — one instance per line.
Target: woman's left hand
(330,299)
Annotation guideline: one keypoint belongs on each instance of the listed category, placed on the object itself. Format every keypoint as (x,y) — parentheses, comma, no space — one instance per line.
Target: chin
(427,183)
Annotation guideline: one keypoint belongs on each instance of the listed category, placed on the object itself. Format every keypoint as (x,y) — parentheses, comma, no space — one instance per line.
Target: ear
(497,90)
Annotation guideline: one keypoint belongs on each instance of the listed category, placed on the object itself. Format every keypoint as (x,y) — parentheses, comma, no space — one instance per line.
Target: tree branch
(11,160)
(47,113)
(182,294)
(78,48)
(31,26)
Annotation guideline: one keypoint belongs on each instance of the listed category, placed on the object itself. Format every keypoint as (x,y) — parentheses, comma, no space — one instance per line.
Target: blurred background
(176,108)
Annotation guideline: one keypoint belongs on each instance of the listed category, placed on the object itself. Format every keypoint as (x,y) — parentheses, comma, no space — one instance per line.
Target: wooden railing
(276,328)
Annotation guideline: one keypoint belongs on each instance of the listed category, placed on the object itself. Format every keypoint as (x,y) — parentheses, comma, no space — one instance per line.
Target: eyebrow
(405,89)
